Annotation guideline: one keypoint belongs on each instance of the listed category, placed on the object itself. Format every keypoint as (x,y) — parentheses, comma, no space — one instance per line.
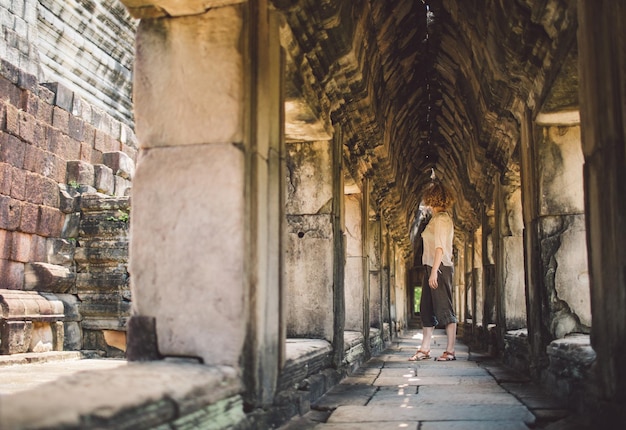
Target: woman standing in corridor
(436,303)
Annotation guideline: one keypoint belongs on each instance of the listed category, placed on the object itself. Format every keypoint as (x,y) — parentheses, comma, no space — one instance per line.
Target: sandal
(420,355)
(447,356)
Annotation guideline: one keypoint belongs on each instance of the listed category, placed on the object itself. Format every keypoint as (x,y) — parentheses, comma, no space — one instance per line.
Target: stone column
(205,275)
(314,245)
(477,275)
(310,240)
(385,282)
(557,280)
(510,253)
(602,47)
(488,266)
(393,299)
(468,271)
(375,283)
(402,306)
(355,261)
(459,278)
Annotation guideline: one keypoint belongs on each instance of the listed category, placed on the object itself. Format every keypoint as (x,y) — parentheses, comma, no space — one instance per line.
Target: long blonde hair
(437,195)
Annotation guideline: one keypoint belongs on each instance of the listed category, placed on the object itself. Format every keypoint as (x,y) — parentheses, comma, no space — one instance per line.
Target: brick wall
(85,45)
(42,127)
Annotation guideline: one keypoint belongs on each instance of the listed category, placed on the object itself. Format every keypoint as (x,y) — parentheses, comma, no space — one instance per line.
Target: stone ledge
(38,357)
(304,357)
(134,395)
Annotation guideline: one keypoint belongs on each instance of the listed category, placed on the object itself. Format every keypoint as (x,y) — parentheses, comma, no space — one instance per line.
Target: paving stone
(368,426)
(342,394)
(465,399)
(368,414)
(463,371)
(463,389)
(473,425)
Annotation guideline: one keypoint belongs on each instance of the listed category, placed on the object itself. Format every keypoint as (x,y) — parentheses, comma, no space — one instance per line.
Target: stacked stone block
(54,148)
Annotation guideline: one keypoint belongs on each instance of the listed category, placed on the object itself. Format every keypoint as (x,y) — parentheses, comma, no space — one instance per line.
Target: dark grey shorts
(436,305)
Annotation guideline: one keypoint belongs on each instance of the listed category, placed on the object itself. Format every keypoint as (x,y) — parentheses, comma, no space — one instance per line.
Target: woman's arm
(432,280)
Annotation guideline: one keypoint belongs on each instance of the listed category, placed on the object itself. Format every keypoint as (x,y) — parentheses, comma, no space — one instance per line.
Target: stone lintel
(563,118)
(159,8)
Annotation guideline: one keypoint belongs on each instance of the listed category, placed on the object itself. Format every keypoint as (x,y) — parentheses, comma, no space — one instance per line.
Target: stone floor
(473,392)
(387,392)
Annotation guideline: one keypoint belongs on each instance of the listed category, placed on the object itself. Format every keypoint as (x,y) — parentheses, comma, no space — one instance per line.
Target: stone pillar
(375,282)
(477,275)
(488,265)
(557,277)
(310,240)
(602,47)
(385,282)
(355,261)
(562,230)
(459,279)
(204,262)
(393,299)
(468,270)
(509,243)
(402,304)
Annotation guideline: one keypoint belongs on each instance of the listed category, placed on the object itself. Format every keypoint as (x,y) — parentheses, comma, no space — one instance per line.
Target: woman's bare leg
(427,334)
(451,334)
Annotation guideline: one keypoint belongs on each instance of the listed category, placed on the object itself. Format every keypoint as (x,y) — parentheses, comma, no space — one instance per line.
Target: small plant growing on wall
(122,217)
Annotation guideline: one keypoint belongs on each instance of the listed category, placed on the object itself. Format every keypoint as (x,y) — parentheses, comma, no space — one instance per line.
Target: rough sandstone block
(121,164)
(5,244)
(50,190)
(10,213)
(29,218)
(71,225)
(18,184)
(60,251)
(80,172)
(34,188)
(20,247)
(73,340)
(49,278)
(27,125)
(215,119)
(69,199)
(122,187)
(16,336)
(50,221)
(12,150)
(104,181)
(11,274)
(61,119)
(6,174)
(63,96)
(211,225)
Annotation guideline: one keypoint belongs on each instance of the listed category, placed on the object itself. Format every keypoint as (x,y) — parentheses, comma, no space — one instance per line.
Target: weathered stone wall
(86,45)
(309,240)
(562,231)
(53,146)
(89,45)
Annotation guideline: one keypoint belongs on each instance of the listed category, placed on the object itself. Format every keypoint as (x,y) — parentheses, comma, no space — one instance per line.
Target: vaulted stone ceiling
(420,85)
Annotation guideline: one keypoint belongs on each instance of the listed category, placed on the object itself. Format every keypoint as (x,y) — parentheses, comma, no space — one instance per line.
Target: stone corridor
(474,392)
(387,392)
(225,197)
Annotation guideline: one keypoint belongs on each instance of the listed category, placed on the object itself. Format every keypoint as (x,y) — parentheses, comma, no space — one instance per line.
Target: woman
(436,303)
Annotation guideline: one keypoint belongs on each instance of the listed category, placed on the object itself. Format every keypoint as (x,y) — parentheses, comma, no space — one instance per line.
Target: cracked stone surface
(475,391)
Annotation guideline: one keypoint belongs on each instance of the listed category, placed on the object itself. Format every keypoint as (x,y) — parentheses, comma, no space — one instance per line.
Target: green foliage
(122,217)
(74,184)
(417,295)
